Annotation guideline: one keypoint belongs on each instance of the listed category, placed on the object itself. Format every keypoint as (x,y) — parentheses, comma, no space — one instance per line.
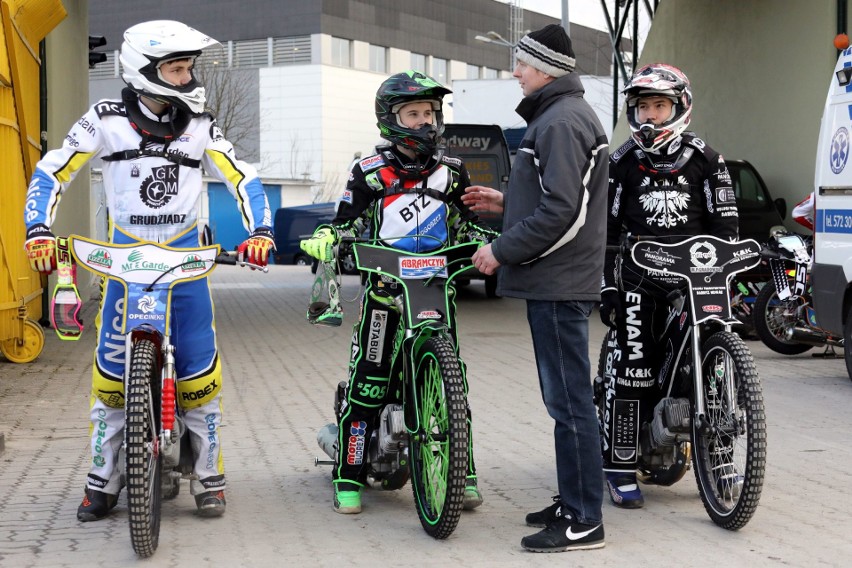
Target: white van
(832,270)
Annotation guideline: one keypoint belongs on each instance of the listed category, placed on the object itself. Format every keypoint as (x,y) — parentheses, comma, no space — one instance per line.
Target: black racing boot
(210,503)
(96,505)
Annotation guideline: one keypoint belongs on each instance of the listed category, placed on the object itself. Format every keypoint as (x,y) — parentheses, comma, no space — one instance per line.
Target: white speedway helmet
(658,80)
(150,44)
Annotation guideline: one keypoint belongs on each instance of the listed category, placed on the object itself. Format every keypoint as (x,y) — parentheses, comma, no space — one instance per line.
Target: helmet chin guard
(658,80)
(399,90)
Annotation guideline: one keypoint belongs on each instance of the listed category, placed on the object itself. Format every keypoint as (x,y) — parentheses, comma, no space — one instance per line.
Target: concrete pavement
(280,375)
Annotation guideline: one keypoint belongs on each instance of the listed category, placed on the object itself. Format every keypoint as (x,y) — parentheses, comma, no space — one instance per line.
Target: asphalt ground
(280,374)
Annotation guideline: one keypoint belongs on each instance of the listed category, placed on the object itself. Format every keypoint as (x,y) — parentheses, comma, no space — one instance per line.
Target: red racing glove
(41,249)
(255,249)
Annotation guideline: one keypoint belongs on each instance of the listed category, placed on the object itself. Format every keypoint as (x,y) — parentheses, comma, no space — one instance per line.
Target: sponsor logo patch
(423,267)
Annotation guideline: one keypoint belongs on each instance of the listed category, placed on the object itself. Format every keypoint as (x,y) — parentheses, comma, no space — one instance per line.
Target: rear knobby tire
(771,319)
(734,439)
(439,448)
(143,459)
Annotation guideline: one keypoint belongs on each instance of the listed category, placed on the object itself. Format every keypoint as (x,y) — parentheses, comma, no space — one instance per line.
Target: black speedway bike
(784,316)
(710,412)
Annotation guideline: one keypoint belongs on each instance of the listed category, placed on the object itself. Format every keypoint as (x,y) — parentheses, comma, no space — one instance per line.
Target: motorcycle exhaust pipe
(808,336)
(327,440)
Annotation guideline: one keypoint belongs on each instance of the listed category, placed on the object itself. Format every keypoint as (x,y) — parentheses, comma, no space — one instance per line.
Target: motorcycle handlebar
(230,257)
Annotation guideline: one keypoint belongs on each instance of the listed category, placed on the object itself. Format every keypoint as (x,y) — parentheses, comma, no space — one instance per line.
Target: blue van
(293,224)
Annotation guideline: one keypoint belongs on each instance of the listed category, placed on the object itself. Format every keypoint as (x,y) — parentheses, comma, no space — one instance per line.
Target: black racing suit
(382,190)
(682,191)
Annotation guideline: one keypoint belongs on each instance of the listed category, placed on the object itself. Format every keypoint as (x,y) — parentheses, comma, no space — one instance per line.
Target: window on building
(378,58)
(251,53)
(341,52)
(418,62)
(291,50)
(473,72)
(489,73)
(439,70)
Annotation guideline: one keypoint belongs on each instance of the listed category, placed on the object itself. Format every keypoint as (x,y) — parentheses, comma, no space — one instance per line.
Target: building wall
(66,51)
(443,28)
(314,119)
(759,72)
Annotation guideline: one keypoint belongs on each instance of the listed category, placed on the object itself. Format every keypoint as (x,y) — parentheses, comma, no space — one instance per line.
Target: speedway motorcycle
(423,436)
(784,317)
(155,454)
(710,412)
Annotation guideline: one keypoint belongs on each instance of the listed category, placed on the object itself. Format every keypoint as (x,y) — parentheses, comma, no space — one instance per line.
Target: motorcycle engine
(671,420)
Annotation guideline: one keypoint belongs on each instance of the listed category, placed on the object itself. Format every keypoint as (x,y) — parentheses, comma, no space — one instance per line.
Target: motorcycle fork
(411,342)
(701,423)
(166,351)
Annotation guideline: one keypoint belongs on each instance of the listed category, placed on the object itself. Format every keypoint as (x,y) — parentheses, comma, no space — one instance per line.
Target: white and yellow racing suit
(152,175)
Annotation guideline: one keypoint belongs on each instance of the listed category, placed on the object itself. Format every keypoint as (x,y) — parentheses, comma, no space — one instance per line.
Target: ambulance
(832,270)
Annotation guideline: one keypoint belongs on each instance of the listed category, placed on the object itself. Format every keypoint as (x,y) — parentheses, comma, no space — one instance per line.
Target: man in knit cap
(551,252)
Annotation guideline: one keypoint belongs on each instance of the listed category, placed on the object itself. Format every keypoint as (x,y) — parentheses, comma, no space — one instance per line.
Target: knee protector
(198,391)
(107,389)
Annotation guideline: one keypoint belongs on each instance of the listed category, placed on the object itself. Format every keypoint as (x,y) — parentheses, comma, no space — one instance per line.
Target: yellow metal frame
(24,24)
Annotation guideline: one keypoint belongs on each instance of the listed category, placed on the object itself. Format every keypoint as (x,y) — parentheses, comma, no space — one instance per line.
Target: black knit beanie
(548,50)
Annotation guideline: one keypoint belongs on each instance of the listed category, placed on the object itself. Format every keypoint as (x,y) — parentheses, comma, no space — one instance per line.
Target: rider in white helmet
(154,142)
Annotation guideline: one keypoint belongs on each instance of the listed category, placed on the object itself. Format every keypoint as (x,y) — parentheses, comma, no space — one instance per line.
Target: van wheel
(847,342)
(301,260)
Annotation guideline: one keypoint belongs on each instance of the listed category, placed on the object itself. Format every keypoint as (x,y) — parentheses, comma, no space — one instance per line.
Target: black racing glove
(611,313)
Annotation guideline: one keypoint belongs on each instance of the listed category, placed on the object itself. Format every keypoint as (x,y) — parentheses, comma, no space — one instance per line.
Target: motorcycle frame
(413,301)
(693,332)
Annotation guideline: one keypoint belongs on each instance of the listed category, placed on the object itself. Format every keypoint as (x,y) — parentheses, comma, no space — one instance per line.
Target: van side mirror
(781,206)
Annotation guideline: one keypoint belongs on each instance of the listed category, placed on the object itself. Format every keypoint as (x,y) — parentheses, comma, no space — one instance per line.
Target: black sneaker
(546,516)
(565,534)
(96,505)
(211,503)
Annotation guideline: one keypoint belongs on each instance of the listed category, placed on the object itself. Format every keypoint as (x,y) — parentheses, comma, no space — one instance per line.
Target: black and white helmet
(150,44)
(659,80)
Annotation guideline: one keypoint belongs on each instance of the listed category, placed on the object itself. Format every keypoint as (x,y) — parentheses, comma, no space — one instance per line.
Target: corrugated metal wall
(24,24)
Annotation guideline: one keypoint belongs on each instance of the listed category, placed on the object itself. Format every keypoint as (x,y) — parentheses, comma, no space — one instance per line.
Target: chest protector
(153,132)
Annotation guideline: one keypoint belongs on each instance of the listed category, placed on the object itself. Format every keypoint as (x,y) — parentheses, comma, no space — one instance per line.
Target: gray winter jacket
(554,222)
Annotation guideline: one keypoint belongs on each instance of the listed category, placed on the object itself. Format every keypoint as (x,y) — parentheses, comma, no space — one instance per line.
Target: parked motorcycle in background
(784,316)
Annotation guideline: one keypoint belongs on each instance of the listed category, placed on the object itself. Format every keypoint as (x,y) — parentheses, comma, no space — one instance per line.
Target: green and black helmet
(399,90)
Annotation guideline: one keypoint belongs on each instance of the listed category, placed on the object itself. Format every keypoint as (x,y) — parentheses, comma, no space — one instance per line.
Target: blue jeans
(560,334)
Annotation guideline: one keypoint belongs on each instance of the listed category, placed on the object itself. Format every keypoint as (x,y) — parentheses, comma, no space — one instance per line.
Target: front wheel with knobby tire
(730,442)
(439,447)
(142,455)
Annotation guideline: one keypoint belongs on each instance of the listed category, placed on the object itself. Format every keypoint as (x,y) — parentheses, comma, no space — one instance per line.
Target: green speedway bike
(422,435)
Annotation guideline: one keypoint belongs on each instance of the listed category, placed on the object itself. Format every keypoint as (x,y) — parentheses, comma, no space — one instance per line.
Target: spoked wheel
(141,439)
(730,447)
(773,316)
(439,448)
